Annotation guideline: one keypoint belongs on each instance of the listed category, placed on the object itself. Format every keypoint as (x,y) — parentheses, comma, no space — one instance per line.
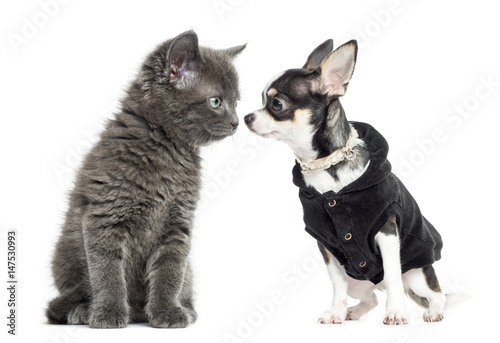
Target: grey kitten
(123,253)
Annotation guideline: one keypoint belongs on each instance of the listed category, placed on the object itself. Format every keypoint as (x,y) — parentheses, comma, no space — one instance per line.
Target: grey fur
(123,253)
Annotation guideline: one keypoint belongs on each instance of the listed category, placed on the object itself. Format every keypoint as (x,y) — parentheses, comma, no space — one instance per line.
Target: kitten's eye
(276,105)
(215,102)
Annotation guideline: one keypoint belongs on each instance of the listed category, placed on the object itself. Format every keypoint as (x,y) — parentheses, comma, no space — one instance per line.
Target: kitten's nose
(249,118)
(234,121)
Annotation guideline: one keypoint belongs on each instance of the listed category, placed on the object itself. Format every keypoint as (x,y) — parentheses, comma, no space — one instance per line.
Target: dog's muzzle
(249,119)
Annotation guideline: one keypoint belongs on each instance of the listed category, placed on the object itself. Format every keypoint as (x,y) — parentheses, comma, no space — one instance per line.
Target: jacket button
(332,203)
(348,236)
(362,264)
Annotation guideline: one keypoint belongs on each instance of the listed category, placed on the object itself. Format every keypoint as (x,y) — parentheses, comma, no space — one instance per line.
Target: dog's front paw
(331,318)
(433,316)
(395,318)
(174,317)
(108,317)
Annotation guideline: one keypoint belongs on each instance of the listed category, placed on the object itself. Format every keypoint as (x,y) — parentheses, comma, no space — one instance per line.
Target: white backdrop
(427,78)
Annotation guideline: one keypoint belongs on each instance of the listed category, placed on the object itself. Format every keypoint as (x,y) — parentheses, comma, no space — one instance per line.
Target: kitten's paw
(433,316)
(79,314)
(108,318)
(174,317)
(192,313)
(331,318)
(57,311)
(395,318)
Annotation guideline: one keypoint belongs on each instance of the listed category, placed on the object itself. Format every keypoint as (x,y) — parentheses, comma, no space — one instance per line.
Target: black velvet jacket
(346,222)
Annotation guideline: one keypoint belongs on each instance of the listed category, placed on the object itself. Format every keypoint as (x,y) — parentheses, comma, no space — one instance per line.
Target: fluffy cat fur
(123,255)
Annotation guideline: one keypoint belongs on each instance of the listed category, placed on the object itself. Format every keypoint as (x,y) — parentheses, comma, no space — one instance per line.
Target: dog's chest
(323,182)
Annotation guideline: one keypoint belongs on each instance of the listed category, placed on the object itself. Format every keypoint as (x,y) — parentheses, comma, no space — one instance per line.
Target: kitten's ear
(182,57)
(234,51)
(318,55)
(337,69)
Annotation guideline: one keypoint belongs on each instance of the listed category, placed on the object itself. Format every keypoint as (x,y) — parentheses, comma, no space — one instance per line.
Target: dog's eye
(276,105)
(215,102)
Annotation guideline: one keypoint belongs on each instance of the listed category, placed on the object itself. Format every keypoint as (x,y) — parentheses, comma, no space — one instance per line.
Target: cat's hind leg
(58,309)
(67,307)
(69,269)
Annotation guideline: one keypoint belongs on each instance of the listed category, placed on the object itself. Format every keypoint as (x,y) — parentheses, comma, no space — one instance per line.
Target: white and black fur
(302,109)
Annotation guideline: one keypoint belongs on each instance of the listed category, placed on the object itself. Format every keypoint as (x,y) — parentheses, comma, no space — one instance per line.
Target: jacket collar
(378,169)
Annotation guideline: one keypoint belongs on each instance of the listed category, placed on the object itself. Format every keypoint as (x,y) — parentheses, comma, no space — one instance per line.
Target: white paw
(331,318)
(433,316)
(395,318)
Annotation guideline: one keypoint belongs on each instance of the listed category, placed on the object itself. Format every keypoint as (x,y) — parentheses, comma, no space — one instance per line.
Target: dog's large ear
(318,55)
(337,69)
(183,57)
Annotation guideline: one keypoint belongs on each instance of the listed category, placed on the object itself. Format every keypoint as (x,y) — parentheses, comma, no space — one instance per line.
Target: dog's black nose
(249,118)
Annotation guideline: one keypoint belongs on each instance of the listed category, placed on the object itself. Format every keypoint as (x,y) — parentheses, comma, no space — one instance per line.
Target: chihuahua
(369,228)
